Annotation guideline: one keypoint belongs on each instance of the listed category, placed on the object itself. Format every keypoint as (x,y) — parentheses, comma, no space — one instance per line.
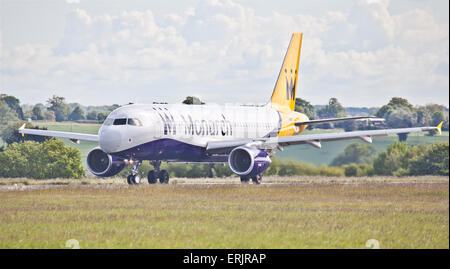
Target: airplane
(245,137)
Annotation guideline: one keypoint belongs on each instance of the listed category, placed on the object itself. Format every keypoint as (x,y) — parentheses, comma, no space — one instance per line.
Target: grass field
(298,212)
(303,153)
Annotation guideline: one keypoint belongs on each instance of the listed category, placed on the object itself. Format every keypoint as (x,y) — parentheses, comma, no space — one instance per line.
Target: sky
(102,52)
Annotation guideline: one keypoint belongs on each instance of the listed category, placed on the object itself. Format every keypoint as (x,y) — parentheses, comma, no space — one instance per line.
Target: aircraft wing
(316,139)
(74,137)
(312,139)
(319,121)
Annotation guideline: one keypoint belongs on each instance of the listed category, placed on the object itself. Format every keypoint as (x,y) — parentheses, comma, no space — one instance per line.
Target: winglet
(438,128)
(21,128)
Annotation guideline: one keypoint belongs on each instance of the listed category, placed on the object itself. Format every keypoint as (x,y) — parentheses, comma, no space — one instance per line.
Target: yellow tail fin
(286,86)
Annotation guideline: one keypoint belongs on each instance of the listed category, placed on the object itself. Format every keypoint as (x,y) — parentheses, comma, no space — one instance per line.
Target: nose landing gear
(134,178)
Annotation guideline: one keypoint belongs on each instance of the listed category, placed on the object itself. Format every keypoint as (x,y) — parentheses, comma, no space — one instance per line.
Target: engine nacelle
(102,164)
(247,161)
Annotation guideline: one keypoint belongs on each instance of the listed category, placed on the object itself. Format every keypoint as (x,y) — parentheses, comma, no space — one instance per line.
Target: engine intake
(247,161)
(102,164)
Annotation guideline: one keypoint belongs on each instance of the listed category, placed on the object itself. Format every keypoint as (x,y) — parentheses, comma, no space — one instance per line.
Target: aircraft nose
(110,140)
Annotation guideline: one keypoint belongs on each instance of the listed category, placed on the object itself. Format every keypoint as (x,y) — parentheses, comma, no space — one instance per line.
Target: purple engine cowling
(102,164)
(248,161)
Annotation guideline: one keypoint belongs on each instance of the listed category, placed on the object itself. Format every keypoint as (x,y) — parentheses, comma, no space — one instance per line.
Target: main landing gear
(257,179)
(154,175)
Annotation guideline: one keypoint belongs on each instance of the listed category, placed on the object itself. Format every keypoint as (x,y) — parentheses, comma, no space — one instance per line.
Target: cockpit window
(120,121)
(134,122)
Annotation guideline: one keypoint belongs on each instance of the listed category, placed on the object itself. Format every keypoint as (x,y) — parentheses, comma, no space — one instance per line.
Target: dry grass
(324,214)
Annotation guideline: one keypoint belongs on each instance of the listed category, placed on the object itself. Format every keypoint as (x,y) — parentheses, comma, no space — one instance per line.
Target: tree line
(399,159)
(398,113)
(56,109)
(52,159)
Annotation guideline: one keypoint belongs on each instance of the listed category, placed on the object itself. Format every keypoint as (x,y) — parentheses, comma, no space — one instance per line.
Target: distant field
(295,212)
(303,153)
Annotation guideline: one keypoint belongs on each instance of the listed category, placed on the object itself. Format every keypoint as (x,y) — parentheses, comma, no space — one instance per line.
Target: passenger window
(120,122)
(134,122)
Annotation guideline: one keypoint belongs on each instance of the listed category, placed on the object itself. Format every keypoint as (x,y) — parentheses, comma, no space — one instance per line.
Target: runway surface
(202,183)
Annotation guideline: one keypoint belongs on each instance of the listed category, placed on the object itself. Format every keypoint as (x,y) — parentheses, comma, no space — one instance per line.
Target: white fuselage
(194,125)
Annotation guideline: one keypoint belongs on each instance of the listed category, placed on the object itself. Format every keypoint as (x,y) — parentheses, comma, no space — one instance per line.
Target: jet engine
(248,161)
(102,164)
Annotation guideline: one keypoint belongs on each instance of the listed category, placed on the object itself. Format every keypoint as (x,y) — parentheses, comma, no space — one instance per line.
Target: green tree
(6,114)
(399,113)
(59,107)
(334,109)
(92,115)
(423,116)
(355,153)
(434,161)
(77,114)
(305,107)
(37,113)
(396,159)
(432,115)
(437,117)
(357,170)
(401,118)
(102,116)
(222,170)
(50,159)
(13,103)
(394,103)
(391,160)
(49,115)
(350,125)
(192,100)
(351,170)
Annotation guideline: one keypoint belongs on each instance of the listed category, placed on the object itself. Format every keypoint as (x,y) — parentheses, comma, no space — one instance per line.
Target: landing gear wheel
(245,179)
(133,180)
(163,177)
(129,180)
(136,179)
(152,177)
(257,179)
